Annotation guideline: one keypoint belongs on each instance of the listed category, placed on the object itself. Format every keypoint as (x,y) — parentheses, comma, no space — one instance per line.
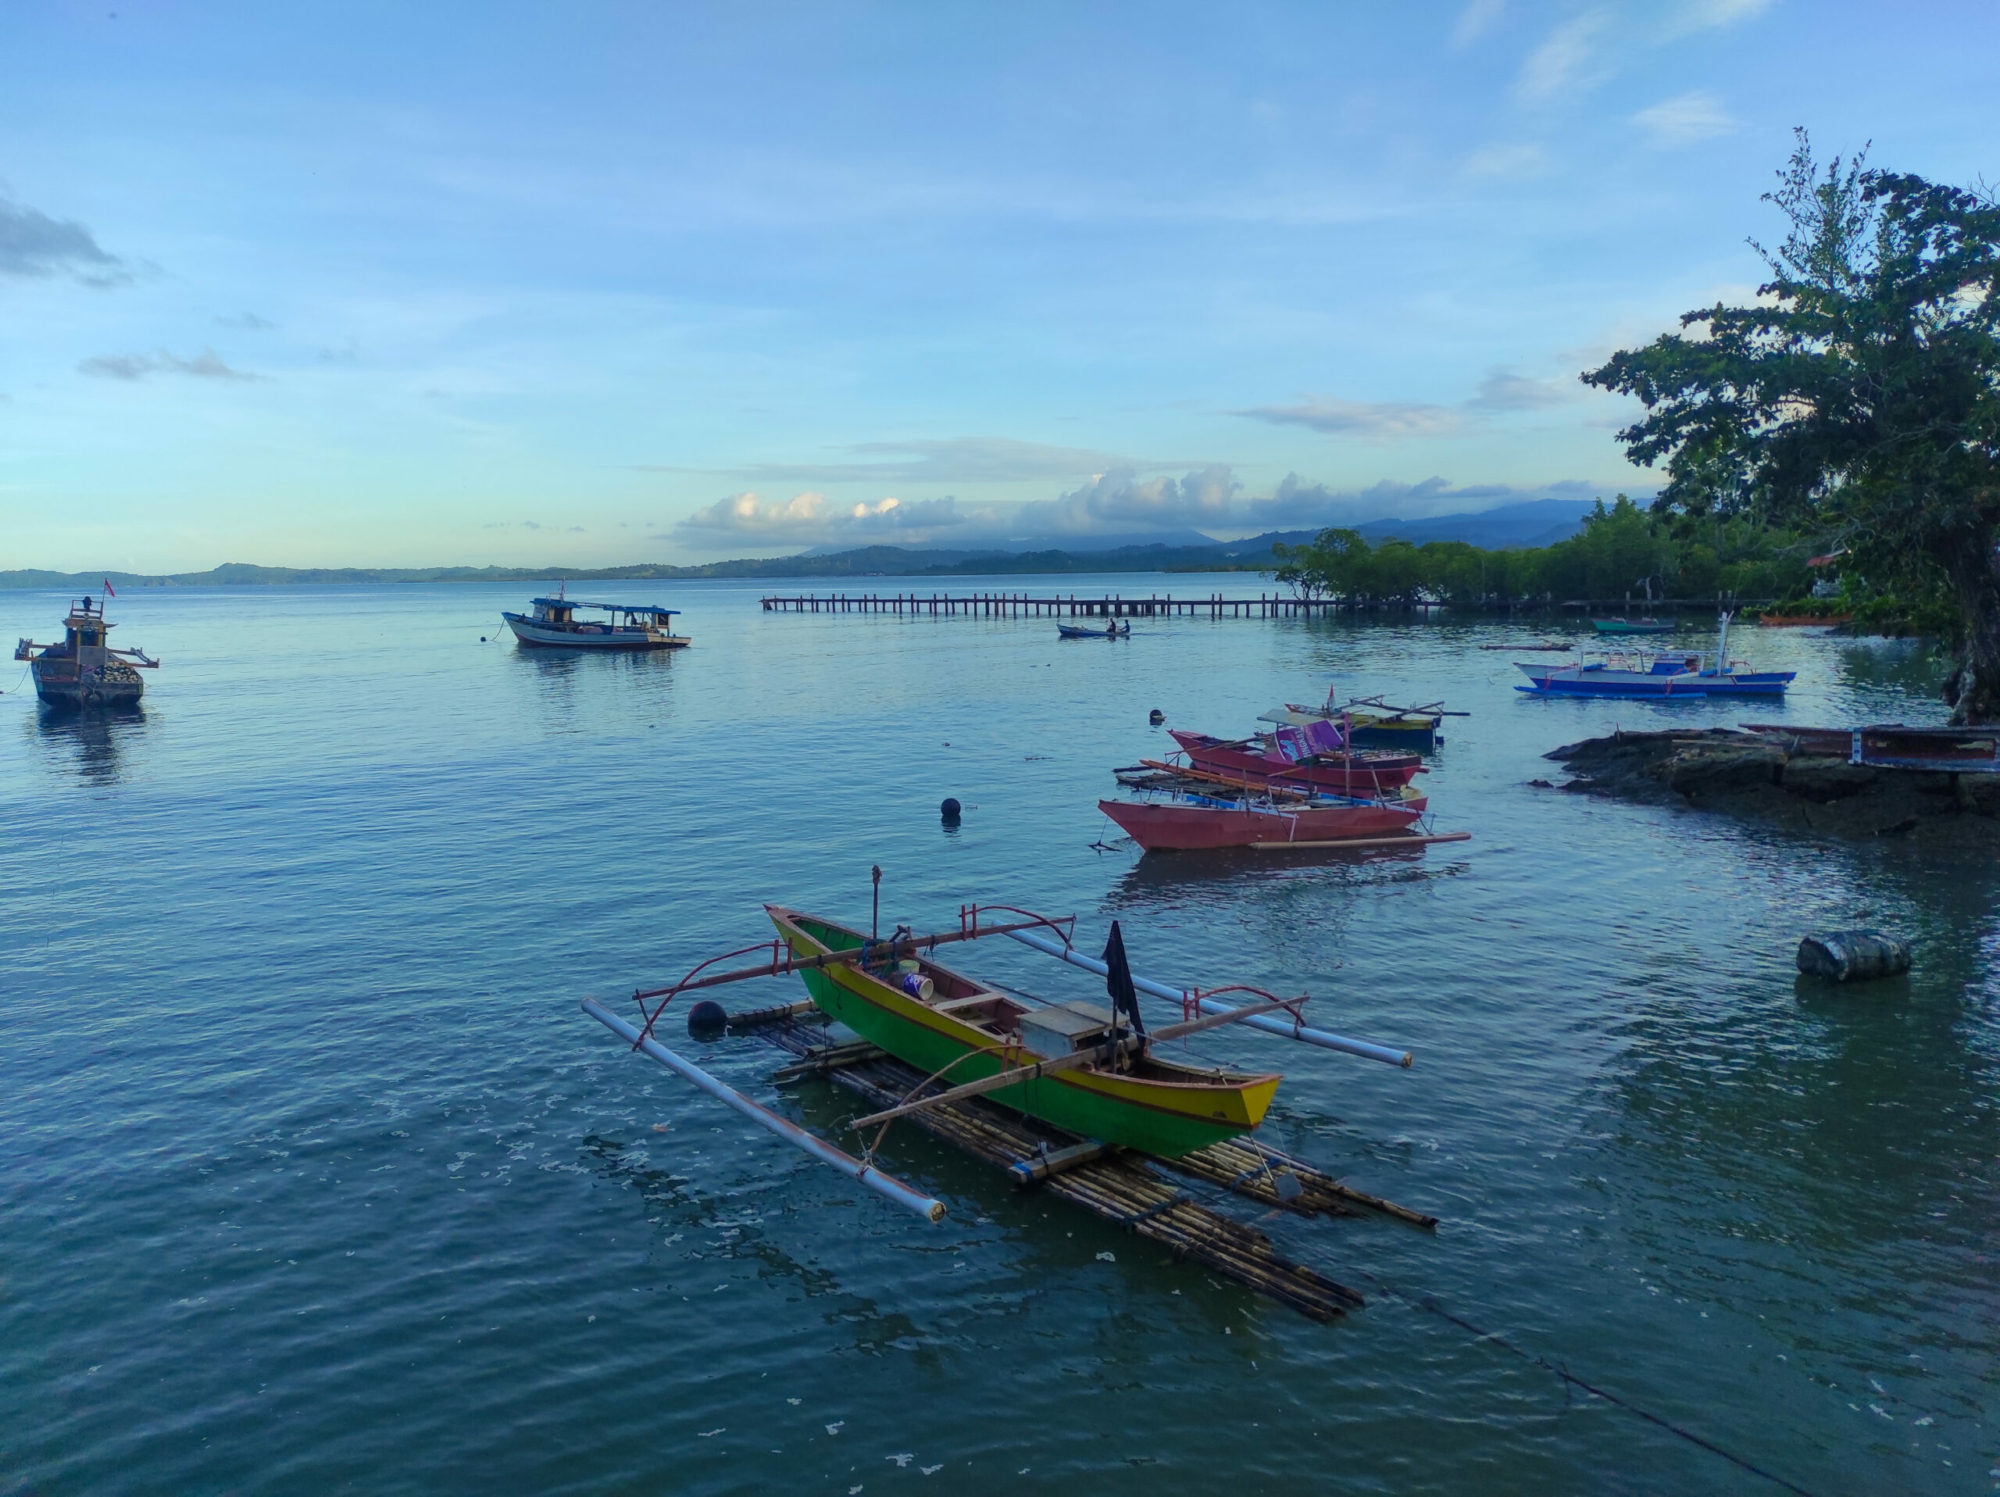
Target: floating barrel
(949,811)
(1853,955)
(707,1017)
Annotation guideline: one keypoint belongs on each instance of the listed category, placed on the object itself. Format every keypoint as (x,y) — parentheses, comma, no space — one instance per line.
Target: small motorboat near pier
(83,670)
(1109,631)
(627,626)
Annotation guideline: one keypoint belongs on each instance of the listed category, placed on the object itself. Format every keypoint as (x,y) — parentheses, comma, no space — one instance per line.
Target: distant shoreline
(1162,559)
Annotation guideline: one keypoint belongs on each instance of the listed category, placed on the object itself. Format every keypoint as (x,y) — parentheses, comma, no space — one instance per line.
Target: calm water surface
(317,1181)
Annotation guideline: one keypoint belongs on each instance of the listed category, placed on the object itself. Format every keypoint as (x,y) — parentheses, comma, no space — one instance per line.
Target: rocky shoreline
(1723,770)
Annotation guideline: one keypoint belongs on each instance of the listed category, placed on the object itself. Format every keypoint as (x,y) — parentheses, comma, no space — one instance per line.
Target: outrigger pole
(884,1185)
(1290,1028)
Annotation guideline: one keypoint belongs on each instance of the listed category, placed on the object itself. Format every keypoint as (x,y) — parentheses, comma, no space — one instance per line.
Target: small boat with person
(1077,631)
(627,626)
(83,670)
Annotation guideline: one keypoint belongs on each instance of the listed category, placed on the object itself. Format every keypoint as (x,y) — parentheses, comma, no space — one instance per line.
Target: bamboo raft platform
(1120,1187)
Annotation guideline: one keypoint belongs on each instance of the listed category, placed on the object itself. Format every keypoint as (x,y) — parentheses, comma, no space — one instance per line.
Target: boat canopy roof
(614,607)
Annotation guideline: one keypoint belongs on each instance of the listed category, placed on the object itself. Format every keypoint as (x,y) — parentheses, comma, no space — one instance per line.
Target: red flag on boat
(110,591)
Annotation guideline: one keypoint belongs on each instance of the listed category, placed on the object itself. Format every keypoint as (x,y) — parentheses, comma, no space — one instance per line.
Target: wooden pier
(1027,605)
(1123,1188)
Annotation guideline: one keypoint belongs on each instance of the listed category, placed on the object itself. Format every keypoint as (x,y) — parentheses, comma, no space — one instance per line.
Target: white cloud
(1121,500)
(1504,390)
(1683,120)
(1700,15)
(1384,420)
(1517,162)
(809,519)
(1475,21)
(1563,63)
(136,366)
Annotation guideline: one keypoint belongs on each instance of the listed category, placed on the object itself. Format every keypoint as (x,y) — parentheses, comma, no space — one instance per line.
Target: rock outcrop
(1743,773)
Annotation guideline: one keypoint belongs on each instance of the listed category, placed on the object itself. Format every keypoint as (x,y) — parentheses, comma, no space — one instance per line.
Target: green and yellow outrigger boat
(959,1031)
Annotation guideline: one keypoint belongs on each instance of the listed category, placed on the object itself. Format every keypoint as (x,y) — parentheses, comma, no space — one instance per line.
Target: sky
(593,284)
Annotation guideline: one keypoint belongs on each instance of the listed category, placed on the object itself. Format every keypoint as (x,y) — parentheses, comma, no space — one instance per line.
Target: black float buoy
(949,811)
(482,639)
(1156,717)
(707,1018)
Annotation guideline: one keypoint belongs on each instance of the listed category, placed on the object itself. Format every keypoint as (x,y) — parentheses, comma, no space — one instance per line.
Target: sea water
(316,1179)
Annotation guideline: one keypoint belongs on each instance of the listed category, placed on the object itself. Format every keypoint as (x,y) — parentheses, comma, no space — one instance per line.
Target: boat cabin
(560,613)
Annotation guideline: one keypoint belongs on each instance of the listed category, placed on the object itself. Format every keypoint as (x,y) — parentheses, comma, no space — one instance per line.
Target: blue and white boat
(628,626)
(1679,673)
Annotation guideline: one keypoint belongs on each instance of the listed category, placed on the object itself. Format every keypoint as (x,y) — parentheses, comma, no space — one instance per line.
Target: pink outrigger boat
(1192,823)
(1313,757)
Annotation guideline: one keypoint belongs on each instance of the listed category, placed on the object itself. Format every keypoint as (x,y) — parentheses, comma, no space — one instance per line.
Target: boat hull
(1167,1118)
(1894,746)
(590,636)
(1570,681)
(1180,826)
(1357,774)
(1412,737)
(1632,626)
(59,684)
(1070,631)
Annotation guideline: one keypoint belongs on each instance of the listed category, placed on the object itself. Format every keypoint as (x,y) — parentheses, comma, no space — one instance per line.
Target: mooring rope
(1428,1302)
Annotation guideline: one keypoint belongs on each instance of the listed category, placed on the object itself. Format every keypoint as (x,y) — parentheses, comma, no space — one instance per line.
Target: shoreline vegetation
(1614,546)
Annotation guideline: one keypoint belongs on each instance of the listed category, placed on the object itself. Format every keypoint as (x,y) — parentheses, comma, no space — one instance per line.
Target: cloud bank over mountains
(1118,502)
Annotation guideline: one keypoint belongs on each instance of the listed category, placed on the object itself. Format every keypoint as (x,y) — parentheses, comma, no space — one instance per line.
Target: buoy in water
(949,811)
(707,1017)
(1853,955)
(1156,717)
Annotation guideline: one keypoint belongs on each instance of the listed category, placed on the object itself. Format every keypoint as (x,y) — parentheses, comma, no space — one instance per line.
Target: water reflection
(86,744)
(636,680)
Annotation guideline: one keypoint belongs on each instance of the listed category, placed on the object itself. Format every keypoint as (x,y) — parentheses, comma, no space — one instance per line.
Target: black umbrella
(1118,981)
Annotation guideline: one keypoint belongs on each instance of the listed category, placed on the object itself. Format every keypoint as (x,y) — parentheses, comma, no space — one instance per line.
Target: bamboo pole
(791,964)
(1364,842)
(1289,1027)
(885,1185)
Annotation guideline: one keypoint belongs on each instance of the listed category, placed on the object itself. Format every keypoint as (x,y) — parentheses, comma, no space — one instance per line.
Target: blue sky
(589,284)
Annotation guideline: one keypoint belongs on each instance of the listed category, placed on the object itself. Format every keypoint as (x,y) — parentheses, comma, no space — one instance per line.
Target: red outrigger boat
(1308,764)
(1187,823)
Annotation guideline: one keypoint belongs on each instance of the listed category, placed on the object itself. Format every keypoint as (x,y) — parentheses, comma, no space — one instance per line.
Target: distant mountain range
(1541,522)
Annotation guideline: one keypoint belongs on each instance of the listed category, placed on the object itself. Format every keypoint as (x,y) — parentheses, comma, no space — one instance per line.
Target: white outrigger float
(83,670)
(629,626)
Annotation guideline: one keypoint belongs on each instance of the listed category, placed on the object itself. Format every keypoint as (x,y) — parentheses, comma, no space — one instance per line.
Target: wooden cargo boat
(627,626)
(1191,822)
(1275,759)
(929,1016)
(83,670)
(1894,746)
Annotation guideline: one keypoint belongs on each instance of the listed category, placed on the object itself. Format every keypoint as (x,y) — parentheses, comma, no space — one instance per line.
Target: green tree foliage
(1622,551)
(1858,400)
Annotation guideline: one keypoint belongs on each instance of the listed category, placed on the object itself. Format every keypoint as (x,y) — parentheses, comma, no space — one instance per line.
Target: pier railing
(1168,605)
(1028,605)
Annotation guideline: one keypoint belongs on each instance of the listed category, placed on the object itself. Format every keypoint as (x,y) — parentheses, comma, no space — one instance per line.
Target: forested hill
(870,561)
